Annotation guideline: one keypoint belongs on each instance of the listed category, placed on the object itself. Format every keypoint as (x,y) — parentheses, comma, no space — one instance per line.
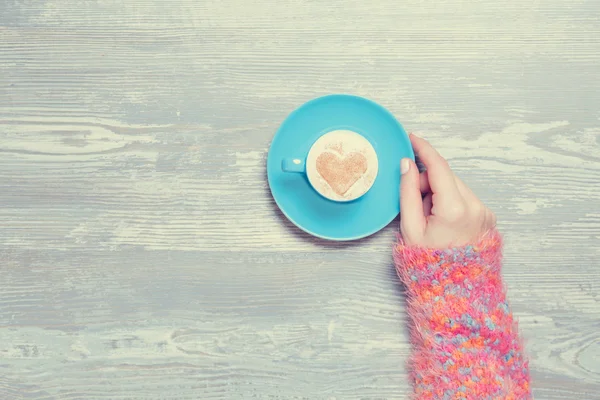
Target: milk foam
(342,165)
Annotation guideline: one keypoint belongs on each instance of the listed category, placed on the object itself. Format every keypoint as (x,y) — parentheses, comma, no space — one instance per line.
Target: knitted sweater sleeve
(466,344)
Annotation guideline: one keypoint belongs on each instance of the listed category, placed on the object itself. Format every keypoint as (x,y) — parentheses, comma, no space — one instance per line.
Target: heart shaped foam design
(341,172)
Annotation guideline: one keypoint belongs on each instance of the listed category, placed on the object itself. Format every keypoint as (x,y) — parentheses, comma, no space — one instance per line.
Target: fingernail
(404,166)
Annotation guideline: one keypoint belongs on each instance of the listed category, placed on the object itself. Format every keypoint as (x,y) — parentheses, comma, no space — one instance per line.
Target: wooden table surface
(142,257)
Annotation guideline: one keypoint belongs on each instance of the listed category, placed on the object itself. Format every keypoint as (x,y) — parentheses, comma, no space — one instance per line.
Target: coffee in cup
(341,165)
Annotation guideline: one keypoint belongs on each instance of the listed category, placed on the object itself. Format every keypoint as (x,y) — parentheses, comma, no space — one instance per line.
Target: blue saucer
(313,213)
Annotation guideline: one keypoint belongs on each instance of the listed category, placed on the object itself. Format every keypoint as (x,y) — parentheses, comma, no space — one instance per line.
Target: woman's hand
(437,210)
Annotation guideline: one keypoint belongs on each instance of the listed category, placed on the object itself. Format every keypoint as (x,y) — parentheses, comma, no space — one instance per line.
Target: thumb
(412,219)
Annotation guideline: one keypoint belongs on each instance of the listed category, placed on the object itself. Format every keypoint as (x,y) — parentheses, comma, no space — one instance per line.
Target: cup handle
(297,165)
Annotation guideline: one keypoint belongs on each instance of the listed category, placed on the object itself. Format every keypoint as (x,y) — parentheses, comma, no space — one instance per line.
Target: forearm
(466,341)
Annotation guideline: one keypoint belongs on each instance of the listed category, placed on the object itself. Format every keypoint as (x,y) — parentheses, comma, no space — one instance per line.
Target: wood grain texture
(141,256)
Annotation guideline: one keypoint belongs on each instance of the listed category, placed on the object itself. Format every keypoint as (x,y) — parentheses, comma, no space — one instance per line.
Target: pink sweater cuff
(466,342)
(419,266)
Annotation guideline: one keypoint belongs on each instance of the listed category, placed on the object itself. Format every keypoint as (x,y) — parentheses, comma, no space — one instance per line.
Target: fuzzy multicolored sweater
(466,344)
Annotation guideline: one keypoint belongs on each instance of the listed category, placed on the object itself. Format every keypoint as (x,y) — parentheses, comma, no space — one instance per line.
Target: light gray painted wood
(141,256)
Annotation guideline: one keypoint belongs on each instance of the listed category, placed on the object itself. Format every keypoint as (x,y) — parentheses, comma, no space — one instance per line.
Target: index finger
(439,174)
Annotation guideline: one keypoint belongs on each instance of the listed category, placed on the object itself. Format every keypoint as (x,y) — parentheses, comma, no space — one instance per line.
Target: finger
(424,182)
(439,174)
(427,204)
(412,221)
